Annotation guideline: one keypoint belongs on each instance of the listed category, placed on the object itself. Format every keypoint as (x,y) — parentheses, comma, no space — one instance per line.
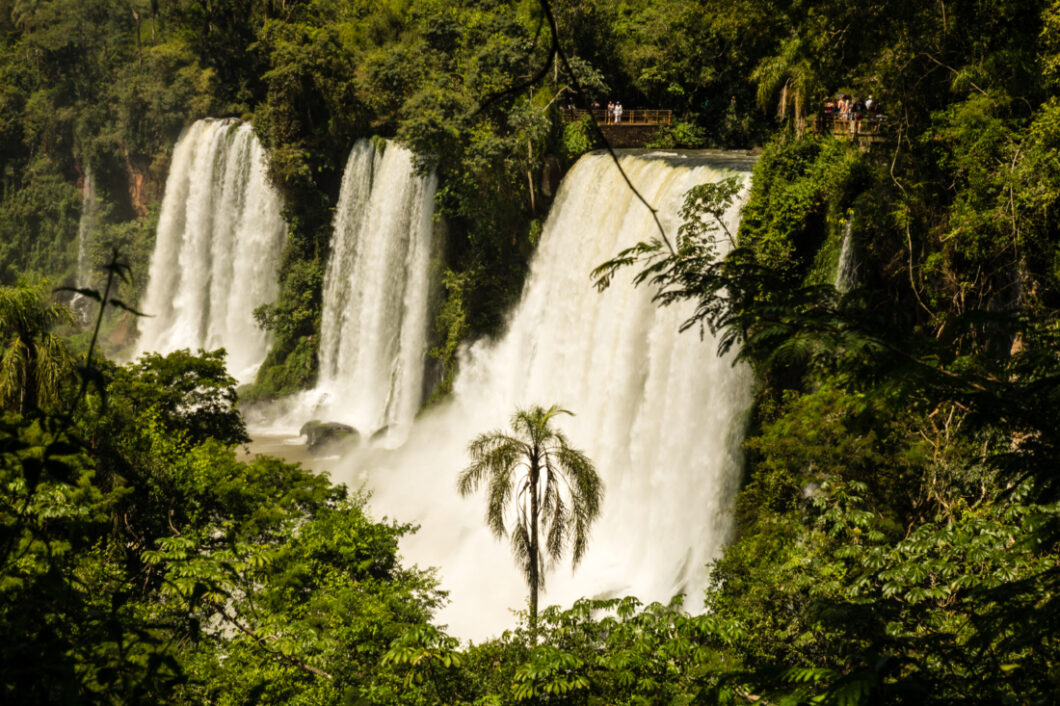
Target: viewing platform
(867,129)
(638,126)
(636,116)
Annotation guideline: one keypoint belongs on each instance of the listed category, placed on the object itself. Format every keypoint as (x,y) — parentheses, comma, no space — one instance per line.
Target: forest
(896,530)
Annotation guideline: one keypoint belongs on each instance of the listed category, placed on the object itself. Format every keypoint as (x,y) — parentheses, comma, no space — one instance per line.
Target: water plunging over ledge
(661,415)
(375,319)
(217,251)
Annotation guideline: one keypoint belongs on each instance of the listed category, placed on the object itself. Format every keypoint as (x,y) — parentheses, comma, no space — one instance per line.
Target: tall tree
(552,489)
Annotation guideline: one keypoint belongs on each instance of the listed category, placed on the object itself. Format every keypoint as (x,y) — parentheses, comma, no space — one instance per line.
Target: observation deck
(866,129)
(638,126)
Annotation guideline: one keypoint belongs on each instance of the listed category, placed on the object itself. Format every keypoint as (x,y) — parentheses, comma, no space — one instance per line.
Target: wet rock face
(551,175)
(322,437)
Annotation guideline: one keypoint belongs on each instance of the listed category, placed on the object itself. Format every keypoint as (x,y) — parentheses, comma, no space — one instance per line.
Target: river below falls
(289,448)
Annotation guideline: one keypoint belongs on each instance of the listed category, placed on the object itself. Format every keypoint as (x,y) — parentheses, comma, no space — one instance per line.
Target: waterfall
(85,227)
(217,250)
(373,334)
(846,269)
(375,318)
(660,414)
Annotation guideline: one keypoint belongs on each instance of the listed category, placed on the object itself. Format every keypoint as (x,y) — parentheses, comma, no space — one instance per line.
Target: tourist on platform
(872,108)
(610,111)
(618,112)
(828,114)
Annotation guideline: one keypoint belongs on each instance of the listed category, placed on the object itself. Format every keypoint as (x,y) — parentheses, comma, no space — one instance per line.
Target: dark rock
(323,437)
(551,174)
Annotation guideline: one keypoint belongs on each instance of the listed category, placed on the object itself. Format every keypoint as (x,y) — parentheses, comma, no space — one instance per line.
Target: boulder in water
(328,436)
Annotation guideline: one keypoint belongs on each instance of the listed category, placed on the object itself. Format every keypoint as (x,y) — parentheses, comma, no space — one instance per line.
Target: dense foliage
(139,554)
(897,531)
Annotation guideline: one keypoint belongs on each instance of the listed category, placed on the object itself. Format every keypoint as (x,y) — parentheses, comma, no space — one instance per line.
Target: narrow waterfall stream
(846,276)
(220,238)
(661,415)
(86,226)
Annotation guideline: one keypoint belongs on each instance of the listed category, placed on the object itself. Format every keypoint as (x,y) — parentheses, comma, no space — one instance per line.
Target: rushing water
(376,303)
(846,276)
(219,241)
(659,412)
(86,225)
(85,228)
(373,334)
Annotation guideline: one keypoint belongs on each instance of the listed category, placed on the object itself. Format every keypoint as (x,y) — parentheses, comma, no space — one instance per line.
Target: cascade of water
(86,225)
(846,276)
(660,413)
(373,337)
(217,250)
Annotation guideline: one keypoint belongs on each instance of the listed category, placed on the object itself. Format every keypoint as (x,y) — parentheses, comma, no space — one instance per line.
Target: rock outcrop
(323,437)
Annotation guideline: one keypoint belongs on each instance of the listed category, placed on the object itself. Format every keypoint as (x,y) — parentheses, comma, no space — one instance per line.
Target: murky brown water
(292,449)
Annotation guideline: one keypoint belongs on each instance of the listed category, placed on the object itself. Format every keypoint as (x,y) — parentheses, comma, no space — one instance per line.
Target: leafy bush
(578,138)
(682,134)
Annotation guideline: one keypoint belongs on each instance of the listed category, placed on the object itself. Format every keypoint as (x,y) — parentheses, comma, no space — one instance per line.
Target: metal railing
(871,125)
(634,116)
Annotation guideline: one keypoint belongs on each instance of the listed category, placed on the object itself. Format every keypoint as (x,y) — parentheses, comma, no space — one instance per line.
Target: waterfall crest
(218,246)
(373,334)
(660,414)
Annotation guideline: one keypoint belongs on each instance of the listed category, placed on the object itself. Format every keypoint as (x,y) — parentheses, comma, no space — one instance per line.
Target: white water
(661,415)
(219,241)
(846,276)
(373,338)
(85,227)
(374,324)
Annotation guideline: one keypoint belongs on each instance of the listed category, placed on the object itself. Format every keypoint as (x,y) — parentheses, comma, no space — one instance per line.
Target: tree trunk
(534,559)
(530,174)
(139,43)
(29,399)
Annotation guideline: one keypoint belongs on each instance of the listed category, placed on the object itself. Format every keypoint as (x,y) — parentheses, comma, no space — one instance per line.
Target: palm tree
(34,362)
(552,489)
(791,74)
